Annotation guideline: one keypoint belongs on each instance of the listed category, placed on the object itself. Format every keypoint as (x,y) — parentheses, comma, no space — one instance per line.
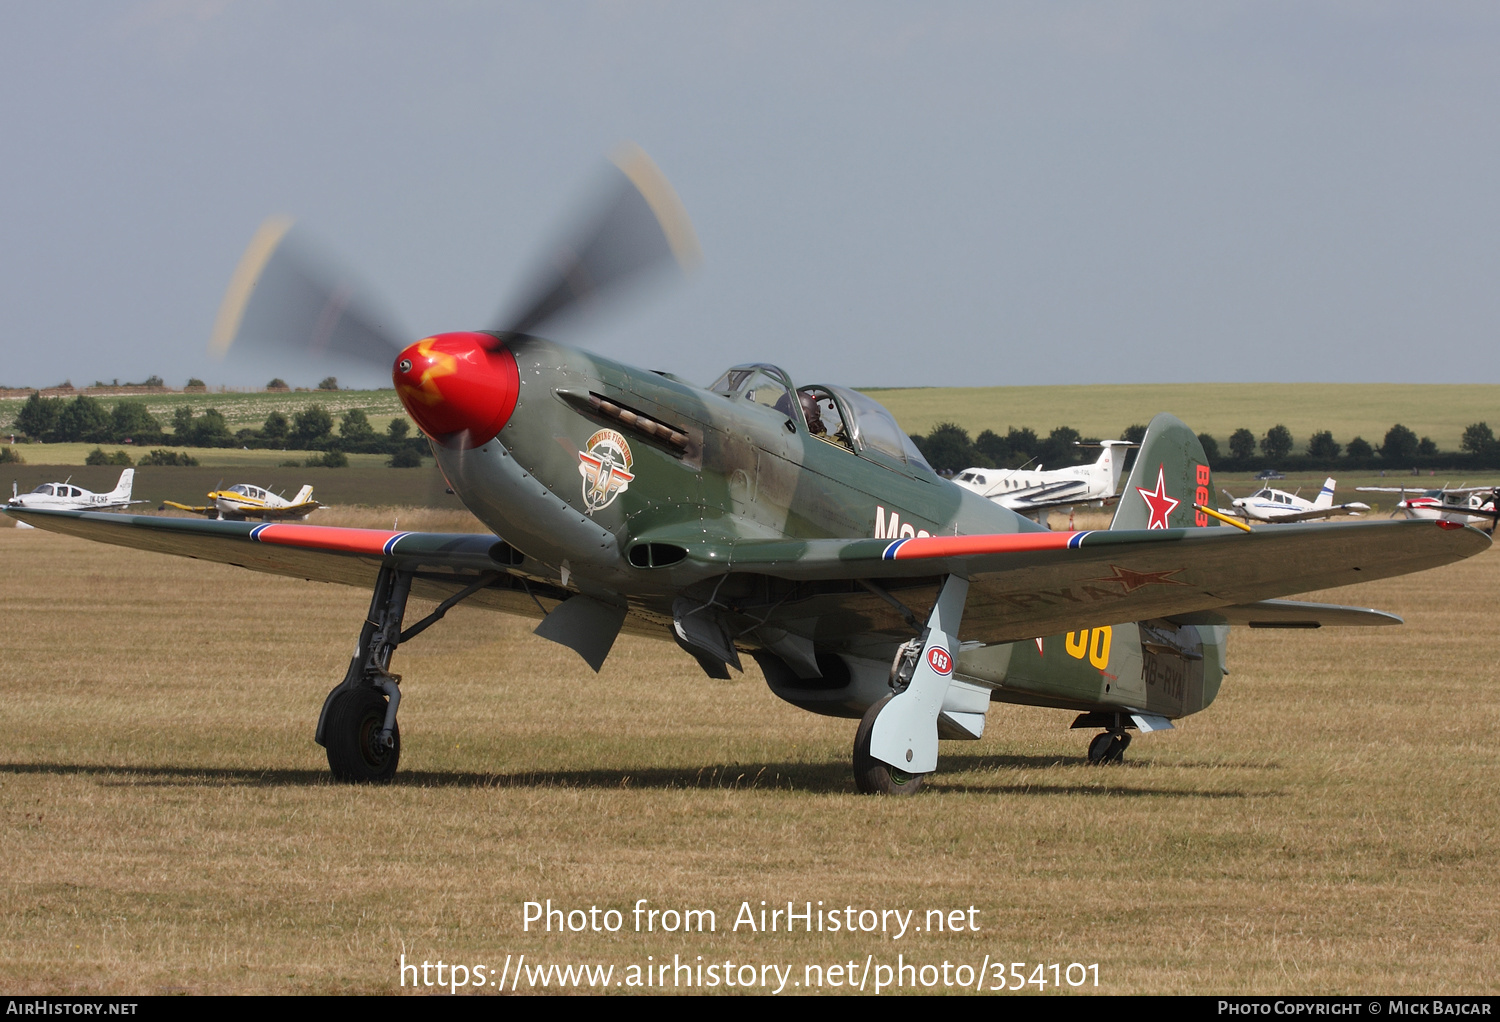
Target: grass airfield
(1331,824)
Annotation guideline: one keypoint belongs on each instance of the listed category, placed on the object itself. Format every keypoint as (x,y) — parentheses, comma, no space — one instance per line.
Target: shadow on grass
(804,777)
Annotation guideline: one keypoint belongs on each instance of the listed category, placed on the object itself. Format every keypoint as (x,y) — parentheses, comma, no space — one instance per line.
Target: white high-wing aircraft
(243,500)
(1272,505)
(1464,504)
(1030,490)
(65,496)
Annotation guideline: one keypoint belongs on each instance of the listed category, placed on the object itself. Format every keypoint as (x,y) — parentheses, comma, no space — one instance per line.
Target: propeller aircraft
(1032,491)
(1273,505)
(243,500)
(794,524)
(1463,504)
(65,496)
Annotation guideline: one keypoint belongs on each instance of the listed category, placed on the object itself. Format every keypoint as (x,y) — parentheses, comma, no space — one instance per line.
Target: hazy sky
(886,194)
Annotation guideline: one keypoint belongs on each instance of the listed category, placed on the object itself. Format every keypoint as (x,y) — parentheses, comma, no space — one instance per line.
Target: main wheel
(872,776)
(1108,748)
(355,752)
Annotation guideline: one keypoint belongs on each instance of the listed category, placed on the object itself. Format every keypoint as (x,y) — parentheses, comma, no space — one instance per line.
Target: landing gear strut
(358,724)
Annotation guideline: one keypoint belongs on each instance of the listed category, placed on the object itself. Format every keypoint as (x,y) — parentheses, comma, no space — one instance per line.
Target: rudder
(1171,474)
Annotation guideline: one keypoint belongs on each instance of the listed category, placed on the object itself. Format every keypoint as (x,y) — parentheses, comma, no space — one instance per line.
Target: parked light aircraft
(1029,491)
(1272,505)
(65,496)
(242,501)
(721,518)
(1463,504)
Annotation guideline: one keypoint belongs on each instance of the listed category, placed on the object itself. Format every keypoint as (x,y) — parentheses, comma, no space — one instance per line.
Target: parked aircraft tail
(1171,474)
(1325,495)
(303,495)
(121,492)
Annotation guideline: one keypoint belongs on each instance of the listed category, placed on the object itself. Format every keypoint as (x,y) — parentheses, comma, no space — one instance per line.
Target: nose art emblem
(605,468)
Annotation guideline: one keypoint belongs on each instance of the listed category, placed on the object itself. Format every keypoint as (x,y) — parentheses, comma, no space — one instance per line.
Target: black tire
(872,776)
(1107,748)
(355,754)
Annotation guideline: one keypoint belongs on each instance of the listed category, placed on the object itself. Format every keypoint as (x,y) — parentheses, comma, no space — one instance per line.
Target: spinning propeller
(460,387)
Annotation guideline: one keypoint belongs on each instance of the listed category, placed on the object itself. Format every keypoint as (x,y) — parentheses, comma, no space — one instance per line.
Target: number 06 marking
(1093,643)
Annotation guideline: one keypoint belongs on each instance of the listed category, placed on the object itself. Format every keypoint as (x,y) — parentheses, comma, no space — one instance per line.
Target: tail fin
(1171,474)
(303,495)
(1325,495)
(1113,461)
(122,488)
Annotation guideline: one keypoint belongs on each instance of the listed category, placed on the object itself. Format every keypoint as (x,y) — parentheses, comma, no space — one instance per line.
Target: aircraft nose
(461,388)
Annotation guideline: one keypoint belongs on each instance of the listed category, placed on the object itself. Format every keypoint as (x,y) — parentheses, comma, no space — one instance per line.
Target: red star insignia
(1130,580)
(1157,500)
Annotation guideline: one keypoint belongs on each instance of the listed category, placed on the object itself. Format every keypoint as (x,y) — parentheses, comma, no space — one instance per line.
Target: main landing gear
(896,745)
(358,724)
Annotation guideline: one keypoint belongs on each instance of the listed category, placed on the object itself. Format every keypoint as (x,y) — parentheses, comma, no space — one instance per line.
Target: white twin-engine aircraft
(1270,505)
(243,501)
(64,496)
(1028,491)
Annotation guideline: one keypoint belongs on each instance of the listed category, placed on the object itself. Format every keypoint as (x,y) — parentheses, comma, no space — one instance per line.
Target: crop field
(1330,824)
(1440,411)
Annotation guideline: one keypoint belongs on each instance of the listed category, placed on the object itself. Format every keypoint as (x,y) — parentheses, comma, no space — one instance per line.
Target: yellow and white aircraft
(242,501)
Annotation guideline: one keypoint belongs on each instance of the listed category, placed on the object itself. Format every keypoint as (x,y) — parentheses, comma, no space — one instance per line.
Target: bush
(1400,444)
(328,383)
(290,463)
(277,384)
(10,456)
(332,459)
(1241,444)
(406,457)
(311,424)
(1210,447)
(165,457)
(1277,442)
(98,457)
(1323,445)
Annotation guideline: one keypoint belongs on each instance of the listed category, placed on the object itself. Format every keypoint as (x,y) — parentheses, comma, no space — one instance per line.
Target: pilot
(810,413)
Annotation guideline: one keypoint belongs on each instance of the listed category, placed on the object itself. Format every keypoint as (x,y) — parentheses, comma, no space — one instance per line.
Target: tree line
(949,448)
(87,420)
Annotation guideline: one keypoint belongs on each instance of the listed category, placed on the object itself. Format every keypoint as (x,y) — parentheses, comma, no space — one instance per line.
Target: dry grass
(1329,825)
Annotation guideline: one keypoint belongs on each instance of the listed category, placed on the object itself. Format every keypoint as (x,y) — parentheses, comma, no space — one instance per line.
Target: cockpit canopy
(843,417)
(246,490)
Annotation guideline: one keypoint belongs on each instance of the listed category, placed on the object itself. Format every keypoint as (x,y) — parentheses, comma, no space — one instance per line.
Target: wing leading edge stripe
(374,542)
(912,548)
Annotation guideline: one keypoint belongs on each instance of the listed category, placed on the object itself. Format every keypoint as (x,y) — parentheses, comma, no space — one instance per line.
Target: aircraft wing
(272,514)
(1029,584)
(212,511)
(442,563)
(1043,495)
(1316,513)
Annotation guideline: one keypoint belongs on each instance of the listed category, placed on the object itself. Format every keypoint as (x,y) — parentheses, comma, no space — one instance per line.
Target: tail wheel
(1108,747)
(873,777)
(355,752)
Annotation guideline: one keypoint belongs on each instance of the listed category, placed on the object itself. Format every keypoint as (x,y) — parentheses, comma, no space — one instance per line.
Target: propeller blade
(639,227)
(284,295)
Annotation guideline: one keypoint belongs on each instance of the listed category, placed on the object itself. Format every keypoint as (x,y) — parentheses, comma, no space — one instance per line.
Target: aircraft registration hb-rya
(737,520)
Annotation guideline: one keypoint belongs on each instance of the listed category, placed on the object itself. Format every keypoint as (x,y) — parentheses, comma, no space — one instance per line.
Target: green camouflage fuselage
(634,487)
